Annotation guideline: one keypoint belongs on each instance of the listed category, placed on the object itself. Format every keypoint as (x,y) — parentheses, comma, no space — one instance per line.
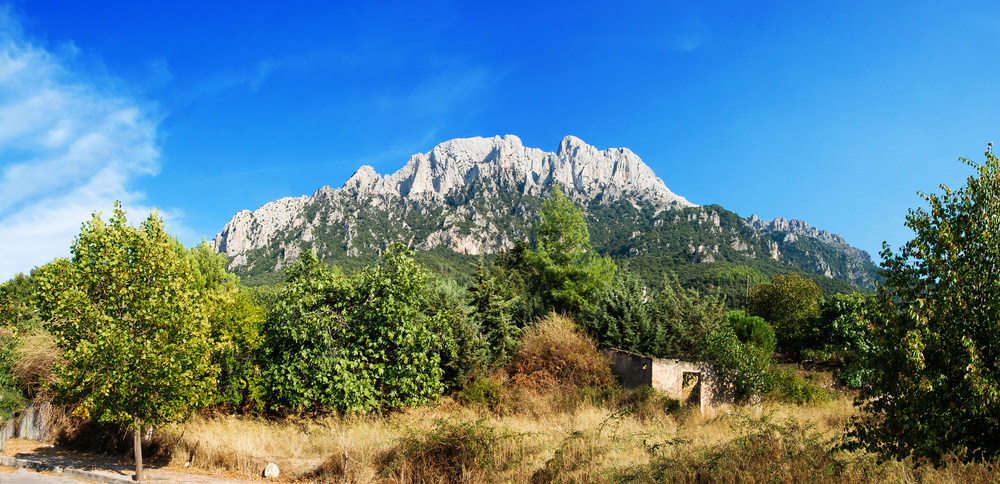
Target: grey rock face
(480,195)
(441,178)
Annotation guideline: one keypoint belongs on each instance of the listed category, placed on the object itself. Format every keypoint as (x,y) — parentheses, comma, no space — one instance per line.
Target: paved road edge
(35,465)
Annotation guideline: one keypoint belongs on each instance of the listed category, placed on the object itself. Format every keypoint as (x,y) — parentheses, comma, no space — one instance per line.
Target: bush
(485,392)
(554,353)
(645,402)
(451,452)
(742,367)
(787,386)
(357,344)
(34,356)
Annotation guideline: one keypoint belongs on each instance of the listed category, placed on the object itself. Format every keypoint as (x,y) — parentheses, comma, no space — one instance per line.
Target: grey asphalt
(22,476)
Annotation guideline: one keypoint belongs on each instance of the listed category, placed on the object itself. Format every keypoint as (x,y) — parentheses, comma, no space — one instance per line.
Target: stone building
(692,383)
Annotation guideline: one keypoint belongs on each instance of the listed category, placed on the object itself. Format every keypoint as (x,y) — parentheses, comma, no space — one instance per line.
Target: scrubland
(555,437)
(553,414)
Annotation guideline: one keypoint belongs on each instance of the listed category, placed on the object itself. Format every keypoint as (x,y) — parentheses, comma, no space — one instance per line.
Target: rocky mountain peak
(445,174)
(480,195)
(583,171)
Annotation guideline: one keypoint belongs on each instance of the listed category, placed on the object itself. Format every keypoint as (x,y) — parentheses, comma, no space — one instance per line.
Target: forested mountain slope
(477,196)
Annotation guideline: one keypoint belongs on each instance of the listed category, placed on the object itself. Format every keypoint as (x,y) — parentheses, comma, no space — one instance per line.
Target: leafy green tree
(570,272)
(743,367)
(688,318)
(842,332)
(789,303)
(356,344)
(208,268)
(134,334)
(935,387)
(304,364)
(236,336)
(236,323)
(753,330)
(562,235)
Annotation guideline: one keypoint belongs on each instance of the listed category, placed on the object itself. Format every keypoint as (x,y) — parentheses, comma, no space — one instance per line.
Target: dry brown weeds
(593,442)
(35,354)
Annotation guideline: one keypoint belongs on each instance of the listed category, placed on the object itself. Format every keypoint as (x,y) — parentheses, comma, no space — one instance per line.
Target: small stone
(271,471)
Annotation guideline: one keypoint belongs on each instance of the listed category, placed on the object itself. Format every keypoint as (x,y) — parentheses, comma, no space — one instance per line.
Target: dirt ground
(115,466)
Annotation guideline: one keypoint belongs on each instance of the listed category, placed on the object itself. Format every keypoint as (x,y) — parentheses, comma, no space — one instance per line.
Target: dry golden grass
(535,421)
(593,442)
(35,354)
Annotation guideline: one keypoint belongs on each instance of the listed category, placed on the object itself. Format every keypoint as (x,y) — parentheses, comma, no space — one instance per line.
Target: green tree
(789,303)
(562,235)
(236,323)
(842,332)
(495,296)
(672,323)
(304,367)
(935,388)
(360,343)
(134,334)
(753,330)
(688,318)
(743,367)
(571,274)
(462,349)
(623,317)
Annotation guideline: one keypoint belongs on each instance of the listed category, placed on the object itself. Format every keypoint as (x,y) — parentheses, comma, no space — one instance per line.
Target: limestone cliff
(480,195)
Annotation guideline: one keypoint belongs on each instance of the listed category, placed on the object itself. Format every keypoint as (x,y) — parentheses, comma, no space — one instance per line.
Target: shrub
(742,367)
(451,452)
(555,353)
(645,402)
(34,356)
(485,392)
(358,343)
(787,386)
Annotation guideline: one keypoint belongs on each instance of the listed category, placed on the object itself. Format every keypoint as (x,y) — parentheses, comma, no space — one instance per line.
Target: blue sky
(836,113)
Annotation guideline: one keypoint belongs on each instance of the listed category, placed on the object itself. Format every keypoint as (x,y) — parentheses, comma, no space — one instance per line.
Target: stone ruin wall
(668,376)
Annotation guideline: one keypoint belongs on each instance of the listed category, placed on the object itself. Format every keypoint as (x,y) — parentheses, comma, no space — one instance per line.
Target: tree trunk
(137,437)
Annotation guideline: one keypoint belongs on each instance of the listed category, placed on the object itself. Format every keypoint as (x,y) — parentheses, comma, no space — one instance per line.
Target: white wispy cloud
(70,144)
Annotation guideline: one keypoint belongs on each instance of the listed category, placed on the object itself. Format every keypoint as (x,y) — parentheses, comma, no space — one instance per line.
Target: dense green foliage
(935,387)
(789,303)
(753,330)
(570,273)
(842,334)
(372,340)
(133,331)
(671,323)
(235,322)
(743,367)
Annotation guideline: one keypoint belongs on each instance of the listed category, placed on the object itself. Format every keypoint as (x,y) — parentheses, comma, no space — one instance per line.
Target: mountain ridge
(478,195)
